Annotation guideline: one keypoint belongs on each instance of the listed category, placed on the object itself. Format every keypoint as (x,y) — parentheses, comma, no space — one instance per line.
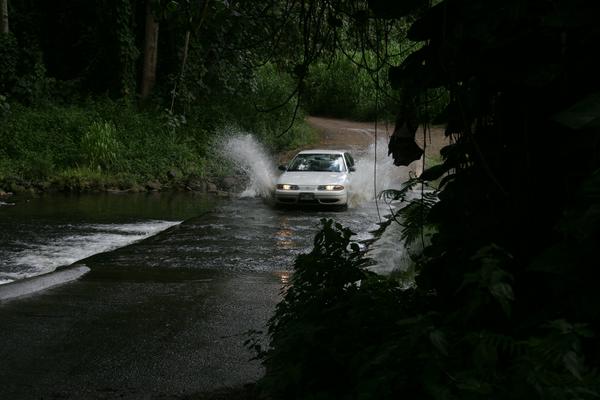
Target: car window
(349,159)
(318,162)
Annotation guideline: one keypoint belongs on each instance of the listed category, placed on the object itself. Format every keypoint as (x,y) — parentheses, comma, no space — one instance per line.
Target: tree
(150,51)
(4,16)
(191,25)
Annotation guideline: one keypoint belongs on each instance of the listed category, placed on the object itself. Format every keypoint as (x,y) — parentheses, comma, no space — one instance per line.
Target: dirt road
(337,133)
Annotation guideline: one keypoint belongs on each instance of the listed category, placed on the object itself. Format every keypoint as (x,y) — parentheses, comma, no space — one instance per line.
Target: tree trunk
(4,16)
(150,52)
(186,47)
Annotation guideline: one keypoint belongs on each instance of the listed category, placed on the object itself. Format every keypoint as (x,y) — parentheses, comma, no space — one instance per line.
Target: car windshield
(318,162)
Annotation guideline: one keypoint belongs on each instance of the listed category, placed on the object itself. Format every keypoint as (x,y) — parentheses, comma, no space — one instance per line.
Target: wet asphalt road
(134,335)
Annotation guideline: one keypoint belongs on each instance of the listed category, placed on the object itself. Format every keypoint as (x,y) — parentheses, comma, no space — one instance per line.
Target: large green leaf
(435,172)
(583,114)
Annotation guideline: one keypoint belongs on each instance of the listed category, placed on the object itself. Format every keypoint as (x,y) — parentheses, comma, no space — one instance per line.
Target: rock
(135,188)
(16,188)
(211,187)
(43,186)
(223,194)
(230,183)
(196,185)
(153,186)
(172,174)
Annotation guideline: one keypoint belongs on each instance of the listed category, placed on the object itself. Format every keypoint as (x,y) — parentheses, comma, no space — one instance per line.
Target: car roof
(321,151)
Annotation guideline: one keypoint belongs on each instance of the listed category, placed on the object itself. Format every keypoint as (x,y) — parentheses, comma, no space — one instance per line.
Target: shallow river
(188,232)
(176,281)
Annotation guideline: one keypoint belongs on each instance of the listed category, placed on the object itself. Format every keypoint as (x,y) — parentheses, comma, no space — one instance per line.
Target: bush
(341,332)
(99,145)
(334,319)
(104,134)
(43,141)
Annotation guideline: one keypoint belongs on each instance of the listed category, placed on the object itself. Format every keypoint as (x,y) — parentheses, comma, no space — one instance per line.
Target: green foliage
(413,214)
(332,320)
(344,86)
(9,59)
(505,304)
(99,145)
(339,88)
(128,51)
(102,134)
(260,107)
(45,142)
(272,87)
(342,332)
(4,106)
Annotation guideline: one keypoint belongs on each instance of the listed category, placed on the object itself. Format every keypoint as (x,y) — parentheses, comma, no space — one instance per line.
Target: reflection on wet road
(243,235)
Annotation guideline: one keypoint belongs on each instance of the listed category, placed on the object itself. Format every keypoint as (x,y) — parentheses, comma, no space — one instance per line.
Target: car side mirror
(351,169)
(282,168)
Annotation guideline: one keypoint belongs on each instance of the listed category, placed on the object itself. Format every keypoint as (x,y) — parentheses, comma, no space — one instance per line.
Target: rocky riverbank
(219,186)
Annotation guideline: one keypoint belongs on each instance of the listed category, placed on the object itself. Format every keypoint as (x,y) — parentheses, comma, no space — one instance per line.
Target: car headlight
(330,187)
(285,186)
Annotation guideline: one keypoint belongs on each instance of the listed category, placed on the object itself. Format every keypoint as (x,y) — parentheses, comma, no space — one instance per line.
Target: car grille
(307,187)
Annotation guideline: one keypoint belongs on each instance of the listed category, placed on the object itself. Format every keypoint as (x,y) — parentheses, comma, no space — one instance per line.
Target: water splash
(251,158)
(388,175)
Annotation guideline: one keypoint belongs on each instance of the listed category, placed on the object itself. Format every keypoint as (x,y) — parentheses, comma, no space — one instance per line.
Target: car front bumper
(311,197)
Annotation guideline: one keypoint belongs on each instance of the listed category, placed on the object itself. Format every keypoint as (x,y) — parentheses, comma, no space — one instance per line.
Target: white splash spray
(252,159)
(388,175)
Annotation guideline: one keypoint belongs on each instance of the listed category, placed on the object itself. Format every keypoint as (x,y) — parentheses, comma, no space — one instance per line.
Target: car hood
(313,178)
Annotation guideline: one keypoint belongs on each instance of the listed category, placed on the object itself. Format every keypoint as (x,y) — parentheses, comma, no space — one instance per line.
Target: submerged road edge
(24,287)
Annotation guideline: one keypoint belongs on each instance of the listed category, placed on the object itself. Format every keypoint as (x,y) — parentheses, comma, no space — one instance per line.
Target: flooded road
(39,234)
(176,280)
(166,313)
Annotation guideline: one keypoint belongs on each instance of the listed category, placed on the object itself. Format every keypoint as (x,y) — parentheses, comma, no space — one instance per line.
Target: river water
(182,230)
(176,281)
(246,233)
(165,314)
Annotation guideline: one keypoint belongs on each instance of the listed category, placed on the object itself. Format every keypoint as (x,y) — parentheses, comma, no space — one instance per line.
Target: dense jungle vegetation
(504,305)
(123,92)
